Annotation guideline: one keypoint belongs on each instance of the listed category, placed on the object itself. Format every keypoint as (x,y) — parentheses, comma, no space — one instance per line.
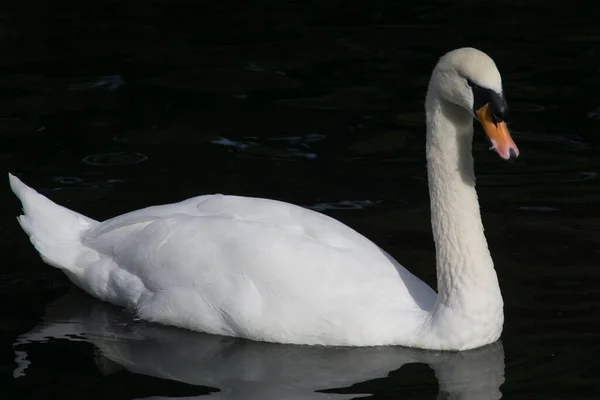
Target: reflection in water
(250,370)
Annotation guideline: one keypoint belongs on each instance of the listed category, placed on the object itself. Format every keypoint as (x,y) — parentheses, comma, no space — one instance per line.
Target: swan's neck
(468,291)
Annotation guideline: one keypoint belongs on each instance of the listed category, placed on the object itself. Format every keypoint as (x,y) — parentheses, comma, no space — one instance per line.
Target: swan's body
(271,271)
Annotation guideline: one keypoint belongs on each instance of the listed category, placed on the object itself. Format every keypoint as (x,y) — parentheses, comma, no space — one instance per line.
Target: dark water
(110,107)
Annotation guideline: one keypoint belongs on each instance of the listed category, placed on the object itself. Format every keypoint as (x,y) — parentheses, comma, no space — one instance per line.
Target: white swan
(271,271)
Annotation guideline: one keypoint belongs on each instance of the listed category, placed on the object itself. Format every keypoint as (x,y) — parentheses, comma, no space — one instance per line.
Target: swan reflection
(242,369)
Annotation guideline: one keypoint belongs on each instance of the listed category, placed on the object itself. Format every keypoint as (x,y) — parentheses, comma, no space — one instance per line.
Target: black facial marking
(483,96)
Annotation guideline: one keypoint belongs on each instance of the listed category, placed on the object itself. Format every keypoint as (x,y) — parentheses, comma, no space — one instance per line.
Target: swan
(271,271)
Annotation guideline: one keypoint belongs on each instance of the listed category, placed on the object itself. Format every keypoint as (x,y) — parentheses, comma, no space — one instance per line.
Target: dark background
(109,106)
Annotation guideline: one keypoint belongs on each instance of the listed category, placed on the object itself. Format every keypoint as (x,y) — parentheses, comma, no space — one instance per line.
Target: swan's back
(263,211)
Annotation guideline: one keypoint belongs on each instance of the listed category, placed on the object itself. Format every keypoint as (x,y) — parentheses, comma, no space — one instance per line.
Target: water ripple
(538,208)
(344,205)
(233,143)
(74,181)
(112,82)
(114,159)
(535,178)
(526,107)
(297,146)
(575,143)
(594,114)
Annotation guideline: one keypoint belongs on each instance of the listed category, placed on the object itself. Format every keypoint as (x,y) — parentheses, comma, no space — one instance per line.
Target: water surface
(110,107)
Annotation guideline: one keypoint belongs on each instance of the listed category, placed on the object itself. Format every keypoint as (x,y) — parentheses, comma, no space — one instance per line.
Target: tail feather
(55,231)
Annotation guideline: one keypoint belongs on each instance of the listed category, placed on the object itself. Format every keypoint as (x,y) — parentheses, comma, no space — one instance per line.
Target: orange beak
(498,133)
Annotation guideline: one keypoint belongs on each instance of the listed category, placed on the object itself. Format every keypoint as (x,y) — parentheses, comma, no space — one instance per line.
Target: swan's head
(469,79)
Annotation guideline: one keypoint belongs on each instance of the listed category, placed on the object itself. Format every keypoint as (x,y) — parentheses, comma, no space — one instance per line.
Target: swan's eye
(495,119)
(483,96)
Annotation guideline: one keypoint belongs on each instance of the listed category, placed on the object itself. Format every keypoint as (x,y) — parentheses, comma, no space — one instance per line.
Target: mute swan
(272,271)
